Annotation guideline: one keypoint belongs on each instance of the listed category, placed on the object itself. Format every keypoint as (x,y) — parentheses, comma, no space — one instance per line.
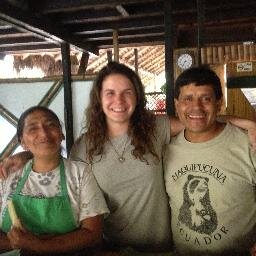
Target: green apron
(41,216)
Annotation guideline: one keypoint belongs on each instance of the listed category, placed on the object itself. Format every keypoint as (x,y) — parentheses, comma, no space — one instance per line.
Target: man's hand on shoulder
(252,137)
(245,124)
(4,166)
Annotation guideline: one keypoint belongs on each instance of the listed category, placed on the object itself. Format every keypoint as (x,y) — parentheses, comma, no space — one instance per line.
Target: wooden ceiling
(88,25)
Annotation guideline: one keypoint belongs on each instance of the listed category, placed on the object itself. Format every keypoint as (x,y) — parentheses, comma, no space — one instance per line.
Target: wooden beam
(4,34)
(213,35)
(21,4)
(23,19)
(5,26)
(81,15)
(133,42)
(51,94)
(11,118)
(53,6)
(118,24)
(122,32)
(122,10)
(137,36)
(22,40)
(29,48)
(84,20)
(180,18)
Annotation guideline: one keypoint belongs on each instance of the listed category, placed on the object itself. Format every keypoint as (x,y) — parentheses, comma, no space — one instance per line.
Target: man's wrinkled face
(197,108)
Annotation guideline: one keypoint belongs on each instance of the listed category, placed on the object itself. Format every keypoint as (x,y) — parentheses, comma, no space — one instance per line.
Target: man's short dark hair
(199,76)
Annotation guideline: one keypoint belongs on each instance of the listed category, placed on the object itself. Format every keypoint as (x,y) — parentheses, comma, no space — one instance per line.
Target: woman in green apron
(57,201)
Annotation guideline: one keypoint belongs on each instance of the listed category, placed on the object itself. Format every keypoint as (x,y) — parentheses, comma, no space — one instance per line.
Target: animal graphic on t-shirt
(45,179)
(196,211)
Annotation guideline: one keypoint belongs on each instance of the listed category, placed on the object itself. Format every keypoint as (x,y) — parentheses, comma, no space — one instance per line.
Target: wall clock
(185,61)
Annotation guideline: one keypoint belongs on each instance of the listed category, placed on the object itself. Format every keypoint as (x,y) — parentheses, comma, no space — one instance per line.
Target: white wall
(17,97)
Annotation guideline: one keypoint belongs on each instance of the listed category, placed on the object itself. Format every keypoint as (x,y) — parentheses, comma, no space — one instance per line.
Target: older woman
(57,201)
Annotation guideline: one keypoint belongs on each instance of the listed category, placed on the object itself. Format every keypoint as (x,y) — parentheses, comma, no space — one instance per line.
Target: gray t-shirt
(134,191)
(211,187)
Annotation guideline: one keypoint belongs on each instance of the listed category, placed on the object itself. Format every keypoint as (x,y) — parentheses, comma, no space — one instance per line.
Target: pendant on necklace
(121,159)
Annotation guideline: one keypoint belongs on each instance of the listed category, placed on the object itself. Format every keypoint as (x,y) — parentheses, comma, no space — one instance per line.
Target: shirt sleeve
(7,187)
(78,150)
(1,194)
(92,201)
(253,159)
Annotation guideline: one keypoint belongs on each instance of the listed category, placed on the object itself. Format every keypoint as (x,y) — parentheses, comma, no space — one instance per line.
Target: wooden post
(203,56)
(116,46)
(109,55)
(214,55)
(234,52)
(68,112)
(240,52)
(209,55)
(169,45)
(221,54)
(83,63)
(246,52)
(136,62)
(227,53)
(200,28)
(252,52)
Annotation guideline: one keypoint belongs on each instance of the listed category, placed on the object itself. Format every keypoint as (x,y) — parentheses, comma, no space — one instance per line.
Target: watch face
(185,61)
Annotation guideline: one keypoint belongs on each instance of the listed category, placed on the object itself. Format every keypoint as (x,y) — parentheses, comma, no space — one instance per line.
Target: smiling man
(209,173)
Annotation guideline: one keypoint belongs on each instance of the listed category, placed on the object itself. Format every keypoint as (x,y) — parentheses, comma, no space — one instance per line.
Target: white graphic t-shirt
(211,188)
(84,193)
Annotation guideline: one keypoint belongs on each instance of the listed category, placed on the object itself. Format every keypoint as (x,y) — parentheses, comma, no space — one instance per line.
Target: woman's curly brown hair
(142,124)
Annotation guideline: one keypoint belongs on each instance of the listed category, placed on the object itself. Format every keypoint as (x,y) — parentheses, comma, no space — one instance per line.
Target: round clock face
(185,61)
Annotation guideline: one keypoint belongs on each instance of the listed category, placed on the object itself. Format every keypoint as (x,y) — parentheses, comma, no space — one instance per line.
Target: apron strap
(22,181)
(64,190)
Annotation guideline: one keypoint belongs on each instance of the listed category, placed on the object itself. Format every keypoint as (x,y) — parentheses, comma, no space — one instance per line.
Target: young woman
(57,201)
(124,143)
